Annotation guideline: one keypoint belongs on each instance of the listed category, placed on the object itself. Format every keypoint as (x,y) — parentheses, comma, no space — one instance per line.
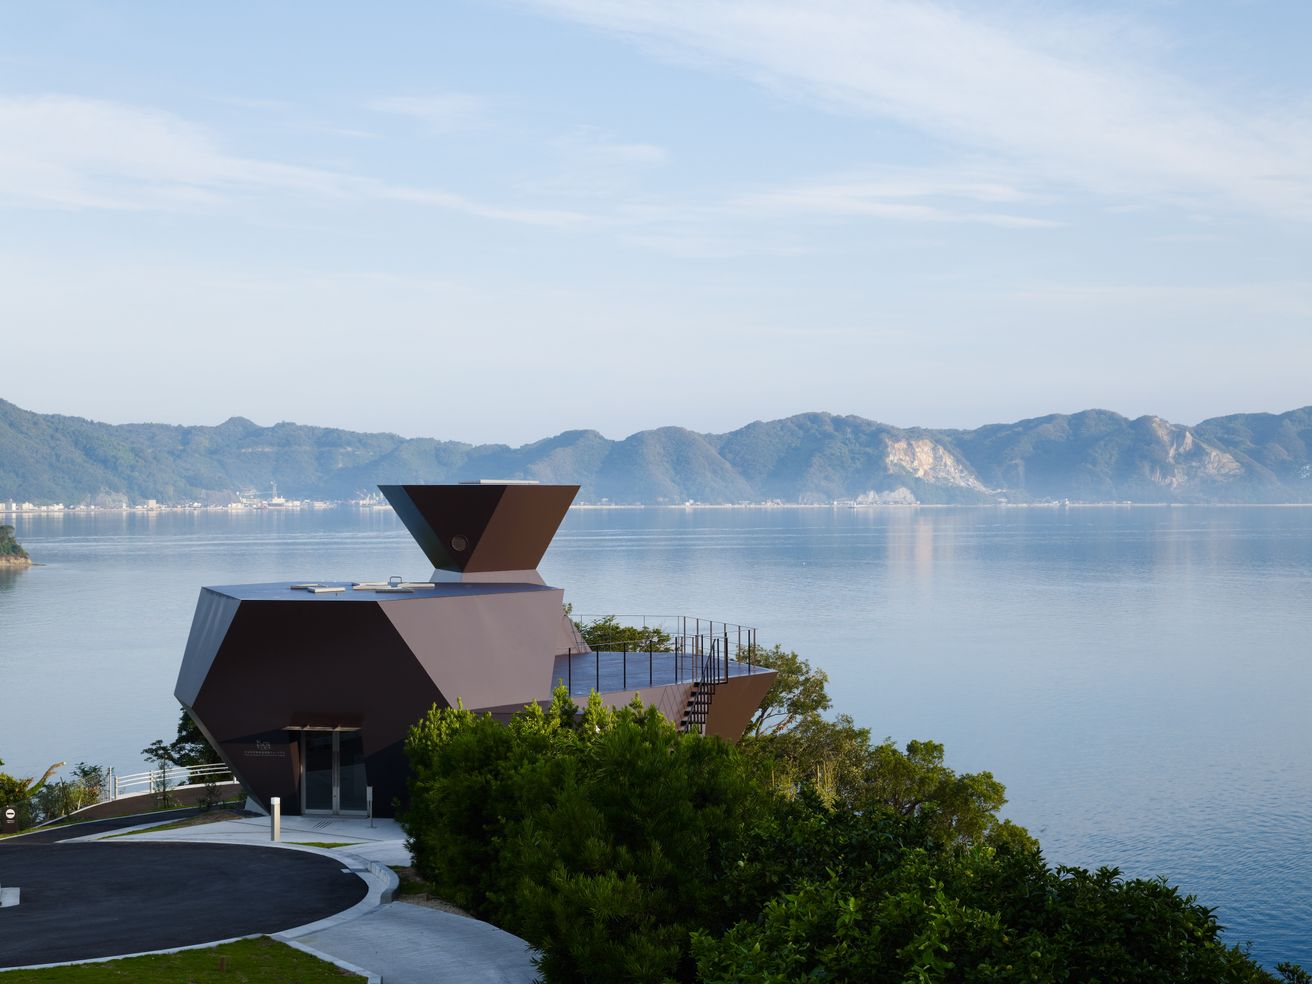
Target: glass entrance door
(333,780)
(350,773)
(318,782)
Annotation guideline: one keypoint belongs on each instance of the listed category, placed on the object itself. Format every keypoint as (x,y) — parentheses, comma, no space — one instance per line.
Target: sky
(498,221)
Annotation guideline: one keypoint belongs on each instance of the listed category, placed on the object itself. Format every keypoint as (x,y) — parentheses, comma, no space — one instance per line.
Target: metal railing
(700,652)
(165,779)
(742,637)
(680,659)
(700,659)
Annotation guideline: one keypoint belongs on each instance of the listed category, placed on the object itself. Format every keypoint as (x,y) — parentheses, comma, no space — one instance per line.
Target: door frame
(336,810)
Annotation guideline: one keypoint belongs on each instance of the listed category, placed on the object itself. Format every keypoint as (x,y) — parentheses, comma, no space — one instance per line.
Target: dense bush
(9,547)
(602,837)
(38,801)
(878,897)
(626,851)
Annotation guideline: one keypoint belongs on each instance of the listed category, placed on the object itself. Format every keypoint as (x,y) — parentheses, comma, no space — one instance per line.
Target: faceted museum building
(307,690)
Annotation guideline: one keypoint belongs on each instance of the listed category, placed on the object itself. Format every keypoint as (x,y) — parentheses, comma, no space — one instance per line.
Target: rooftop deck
(611,671)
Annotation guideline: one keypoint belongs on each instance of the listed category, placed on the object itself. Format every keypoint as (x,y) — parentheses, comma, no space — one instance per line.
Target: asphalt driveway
(101,899)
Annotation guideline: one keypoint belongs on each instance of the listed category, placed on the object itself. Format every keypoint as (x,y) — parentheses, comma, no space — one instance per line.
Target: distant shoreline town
(240,506)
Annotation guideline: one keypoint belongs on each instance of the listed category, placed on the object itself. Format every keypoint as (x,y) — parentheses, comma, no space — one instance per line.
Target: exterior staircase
(698,707)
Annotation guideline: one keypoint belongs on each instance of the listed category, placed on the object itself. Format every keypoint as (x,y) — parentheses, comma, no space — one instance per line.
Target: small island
(12,553)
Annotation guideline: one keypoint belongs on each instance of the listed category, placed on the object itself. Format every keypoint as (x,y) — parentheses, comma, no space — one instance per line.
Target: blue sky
(497,221)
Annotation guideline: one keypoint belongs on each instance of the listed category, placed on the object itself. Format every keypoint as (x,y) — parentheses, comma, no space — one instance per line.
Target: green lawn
(257,961)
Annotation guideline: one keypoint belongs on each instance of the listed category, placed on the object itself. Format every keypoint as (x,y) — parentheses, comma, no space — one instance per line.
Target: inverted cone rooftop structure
(480,527)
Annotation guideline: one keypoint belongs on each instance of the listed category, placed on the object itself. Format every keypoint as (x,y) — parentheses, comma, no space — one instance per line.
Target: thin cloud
(586,162)
(923,197)
(1087,117)
(69,153)
(441,112)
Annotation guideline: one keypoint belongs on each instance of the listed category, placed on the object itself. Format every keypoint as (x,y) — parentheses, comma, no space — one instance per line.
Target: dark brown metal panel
(736,701)
(521,528)
(446,521)
(485,648)
(479,528)
(214,613)
(267,764)
(283,663)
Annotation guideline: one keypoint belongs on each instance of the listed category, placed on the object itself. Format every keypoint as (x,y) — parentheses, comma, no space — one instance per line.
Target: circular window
(459,543)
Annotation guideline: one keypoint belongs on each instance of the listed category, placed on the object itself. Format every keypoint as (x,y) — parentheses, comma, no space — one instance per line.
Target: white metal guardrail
(165,779)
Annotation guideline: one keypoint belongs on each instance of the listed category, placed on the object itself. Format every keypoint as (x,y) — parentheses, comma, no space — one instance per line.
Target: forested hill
(1093,456)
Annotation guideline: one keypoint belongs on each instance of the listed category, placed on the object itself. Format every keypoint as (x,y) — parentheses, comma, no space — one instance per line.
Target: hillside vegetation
(11,551)
(1095,455)
(625,851)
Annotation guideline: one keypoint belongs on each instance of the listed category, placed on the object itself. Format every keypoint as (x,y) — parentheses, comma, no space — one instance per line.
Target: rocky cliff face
(1188,462)
(932,463)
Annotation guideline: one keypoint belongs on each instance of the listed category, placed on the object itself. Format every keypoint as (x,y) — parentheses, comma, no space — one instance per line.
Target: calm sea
(1139,678)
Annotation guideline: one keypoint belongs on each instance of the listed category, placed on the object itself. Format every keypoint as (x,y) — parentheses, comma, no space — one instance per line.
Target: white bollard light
(275,818)
(369,803)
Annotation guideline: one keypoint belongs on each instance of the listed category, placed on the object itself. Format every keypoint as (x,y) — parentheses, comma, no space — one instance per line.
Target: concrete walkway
(402,943)
(413,944)
(383,842)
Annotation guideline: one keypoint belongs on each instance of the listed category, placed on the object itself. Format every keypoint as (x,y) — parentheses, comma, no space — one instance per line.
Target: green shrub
(603,838)
(626,851)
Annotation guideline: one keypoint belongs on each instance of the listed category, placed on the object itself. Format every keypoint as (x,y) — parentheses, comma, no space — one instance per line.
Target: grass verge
(215,816)
(257,961)
(74,820)
(325,843)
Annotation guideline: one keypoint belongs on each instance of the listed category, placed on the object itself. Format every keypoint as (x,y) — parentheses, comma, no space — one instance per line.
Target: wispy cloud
(70,153)
(441,112)
(587,162)
(900,196)
(1089,116)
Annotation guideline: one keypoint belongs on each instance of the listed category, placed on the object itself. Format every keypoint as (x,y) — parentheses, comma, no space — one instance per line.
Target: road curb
(381,880)
(369,976)
(140,953)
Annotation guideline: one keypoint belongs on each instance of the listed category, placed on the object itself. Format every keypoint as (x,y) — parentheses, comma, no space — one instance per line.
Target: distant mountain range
(1093,456)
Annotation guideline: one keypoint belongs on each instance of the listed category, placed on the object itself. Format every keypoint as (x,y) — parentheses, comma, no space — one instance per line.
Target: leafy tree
(15,790)
(793,746)
(600,836)
(60,797)
(39,800)
(190,746)
(977,917)
(876,896)
(798,692)
(608,634)
(9,547)
(626,851)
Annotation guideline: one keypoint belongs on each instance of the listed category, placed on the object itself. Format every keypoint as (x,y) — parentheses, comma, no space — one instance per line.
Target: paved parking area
(94,900)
